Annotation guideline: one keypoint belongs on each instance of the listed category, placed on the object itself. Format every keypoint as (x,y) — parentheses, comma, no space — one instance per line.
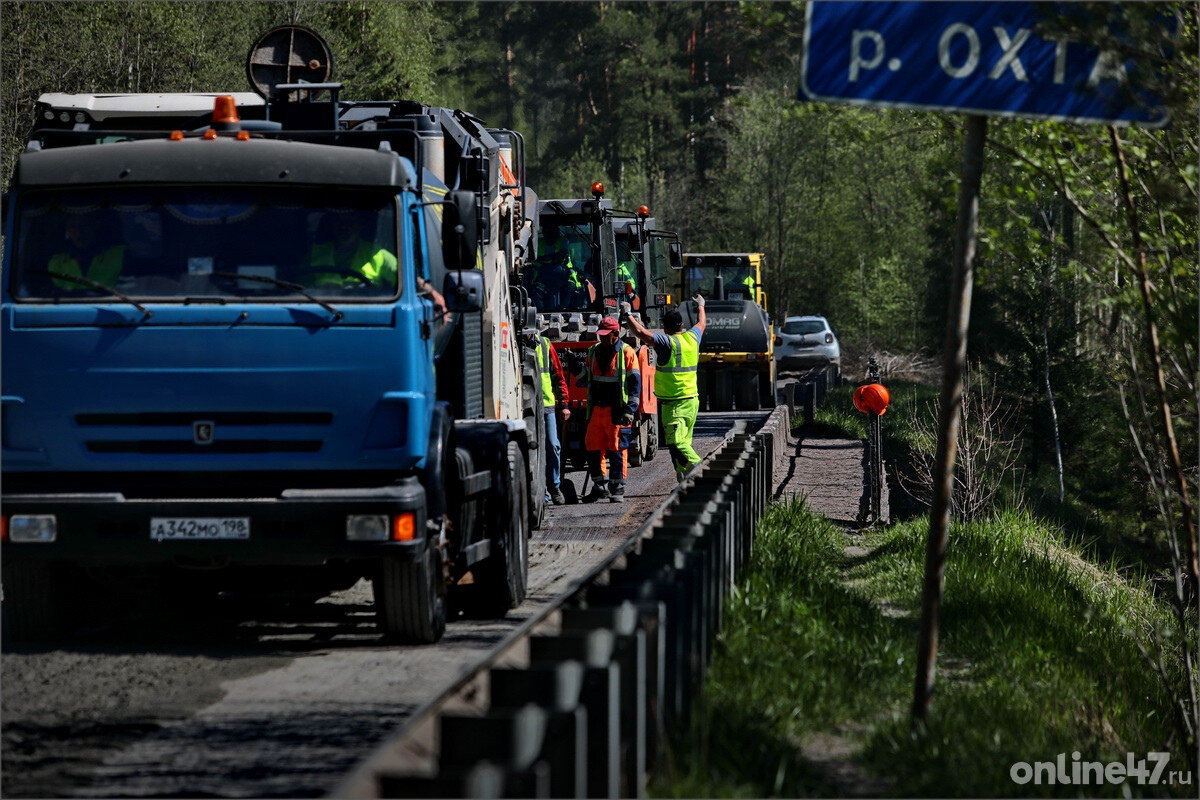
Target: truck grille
(235,447)
(152,418)
(223,427)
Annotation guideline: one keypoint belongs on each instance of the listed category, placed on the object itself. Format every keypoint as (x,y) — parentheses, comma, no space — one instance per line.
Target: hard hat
(872,398)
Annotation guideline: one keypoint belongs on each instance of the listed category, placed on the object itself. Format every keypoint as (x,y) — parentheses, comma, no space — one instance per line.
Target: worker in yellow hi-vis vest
(346,258)
(83,259)
(678,355)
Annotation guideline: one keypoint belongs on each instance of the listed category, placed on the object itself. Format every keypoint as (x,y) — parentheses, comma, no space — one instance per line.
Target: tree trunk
(1168,425)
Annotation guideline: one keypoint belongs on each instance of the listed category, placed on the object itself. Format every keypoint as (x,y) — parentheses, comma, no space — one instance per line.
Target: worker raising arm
(678,355)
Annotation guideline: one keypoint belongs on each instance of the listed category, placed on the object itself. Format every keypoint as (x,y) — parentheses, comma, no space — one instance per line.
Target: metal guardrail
(807,391)
(576,702)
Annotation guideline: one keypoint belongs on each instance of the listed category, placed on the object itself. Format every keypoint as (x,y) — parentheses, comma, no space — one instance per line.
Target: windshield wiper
(98,286)
(295,287)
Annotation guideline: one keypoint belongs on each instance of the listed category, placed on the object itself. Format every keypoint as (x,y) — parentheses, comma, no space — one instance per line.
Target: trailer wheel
(31,608)
(503,576)
(410,599)
(651,438)
(637,448)
(537,470)
(746,391)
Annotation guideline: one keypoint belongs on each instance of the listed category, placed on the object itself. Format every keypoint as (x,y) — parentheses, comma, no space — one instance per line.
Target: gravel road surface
(265,702)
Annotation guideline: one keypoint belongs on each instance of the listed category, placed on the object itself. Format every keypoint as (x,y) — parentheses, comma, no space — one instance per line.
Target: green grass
(1038,657)
(836,417)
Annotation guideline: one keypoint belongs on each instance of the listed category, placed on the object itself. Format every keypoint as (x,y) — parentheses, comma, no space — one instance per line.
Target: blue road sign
(972,57)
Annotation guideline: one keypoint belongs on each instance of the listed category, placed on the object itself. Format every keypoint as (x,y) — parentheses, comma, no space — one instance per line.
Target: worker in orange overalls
(614,384)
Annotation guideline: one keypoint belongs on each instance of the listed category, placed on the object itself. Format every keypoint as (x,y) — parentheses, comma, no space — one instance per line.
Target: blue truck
(267,342)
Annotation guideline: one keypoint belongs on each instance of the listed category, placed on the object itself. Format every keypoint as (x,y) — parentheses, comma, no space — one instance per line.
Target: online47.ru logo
(1148,771)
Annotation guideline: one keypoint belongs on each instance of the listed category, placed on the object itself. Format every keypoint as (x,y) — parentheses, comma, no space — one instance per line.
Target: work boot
(599,491)
(616,491)
(556,496)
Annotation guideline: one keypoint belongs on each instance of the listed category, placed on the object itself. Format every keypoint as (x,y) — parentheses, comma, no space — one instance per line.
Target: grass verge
(1039,656)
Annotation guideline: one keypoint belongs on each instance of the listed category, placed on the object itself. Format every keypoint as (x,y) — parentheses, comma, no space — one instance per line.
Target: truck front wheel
(410,599)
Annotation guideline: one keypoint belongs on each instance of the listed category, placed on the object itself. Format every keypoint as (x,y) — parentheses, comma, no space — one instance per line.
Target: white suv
(807,342)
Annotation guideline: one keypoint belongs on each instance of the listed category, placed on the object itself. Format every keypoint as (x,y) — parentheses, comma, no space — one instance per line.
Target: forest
(1083,339)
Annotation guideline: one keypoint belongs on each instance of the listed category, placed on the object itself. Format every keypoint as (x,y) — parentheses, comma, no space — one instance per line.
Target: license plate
(199,528)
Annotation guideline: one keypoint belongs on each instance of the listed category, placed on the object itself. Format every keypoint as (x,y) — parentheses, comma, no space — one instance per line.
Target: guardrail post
(683,594)
(484,780)
(789,393)
(700,554)
(557,688)
(600,696)
(510,738)
(630,654)
(653,582)
(808,400)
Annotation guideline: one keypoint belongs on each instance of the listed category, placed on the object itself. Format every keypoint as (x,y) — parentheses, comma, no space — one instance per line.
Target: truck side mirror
(459,231)
(676,255)
(463,290)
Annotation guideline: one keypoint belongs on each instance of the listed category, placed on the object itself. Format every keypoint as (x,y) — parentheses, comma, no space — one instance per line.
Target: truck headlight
(32,528)
(368,528)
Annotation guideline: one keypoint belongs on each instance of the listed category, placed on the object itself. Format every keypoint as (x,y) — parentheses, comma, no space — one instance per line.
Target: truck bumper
(299,528)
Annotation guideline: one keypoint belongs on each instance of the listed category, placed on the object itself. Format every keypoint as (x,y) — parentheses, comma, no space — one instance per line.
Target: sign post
(954,357)
(982,59)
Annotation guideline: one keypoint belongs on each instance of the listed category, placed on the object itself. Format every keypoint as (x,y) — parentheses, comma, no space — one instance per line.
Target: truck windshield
(187,243)
(739,281)
(561,278)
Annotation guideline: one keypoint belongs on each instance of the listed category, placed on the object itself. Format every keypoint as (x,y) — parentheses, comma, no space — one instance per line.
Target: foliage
(1040,656)
(836,418)
(197,47)
(832,196)
(986,453)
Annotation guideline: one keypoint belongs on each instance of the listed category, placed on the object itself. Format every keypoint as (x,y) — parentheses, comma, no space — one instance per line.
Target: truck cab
(592,258)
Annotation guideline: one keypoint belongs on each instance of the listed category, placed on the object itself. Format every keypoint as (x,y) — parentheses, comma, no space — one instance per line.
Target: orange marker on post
(872,398)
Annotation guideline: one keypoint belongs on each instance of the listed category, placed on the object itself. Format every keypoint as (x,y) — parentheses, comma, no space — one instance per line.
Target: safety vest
(543,350)
(560,244)
(676,378)
(618,376)
(376,265)
(625,273)
(748,282)
(105,267)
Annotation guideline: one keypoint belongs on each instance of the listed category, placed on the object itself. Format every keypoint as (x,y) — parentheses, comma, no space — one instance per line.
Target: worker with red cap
(614,383)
